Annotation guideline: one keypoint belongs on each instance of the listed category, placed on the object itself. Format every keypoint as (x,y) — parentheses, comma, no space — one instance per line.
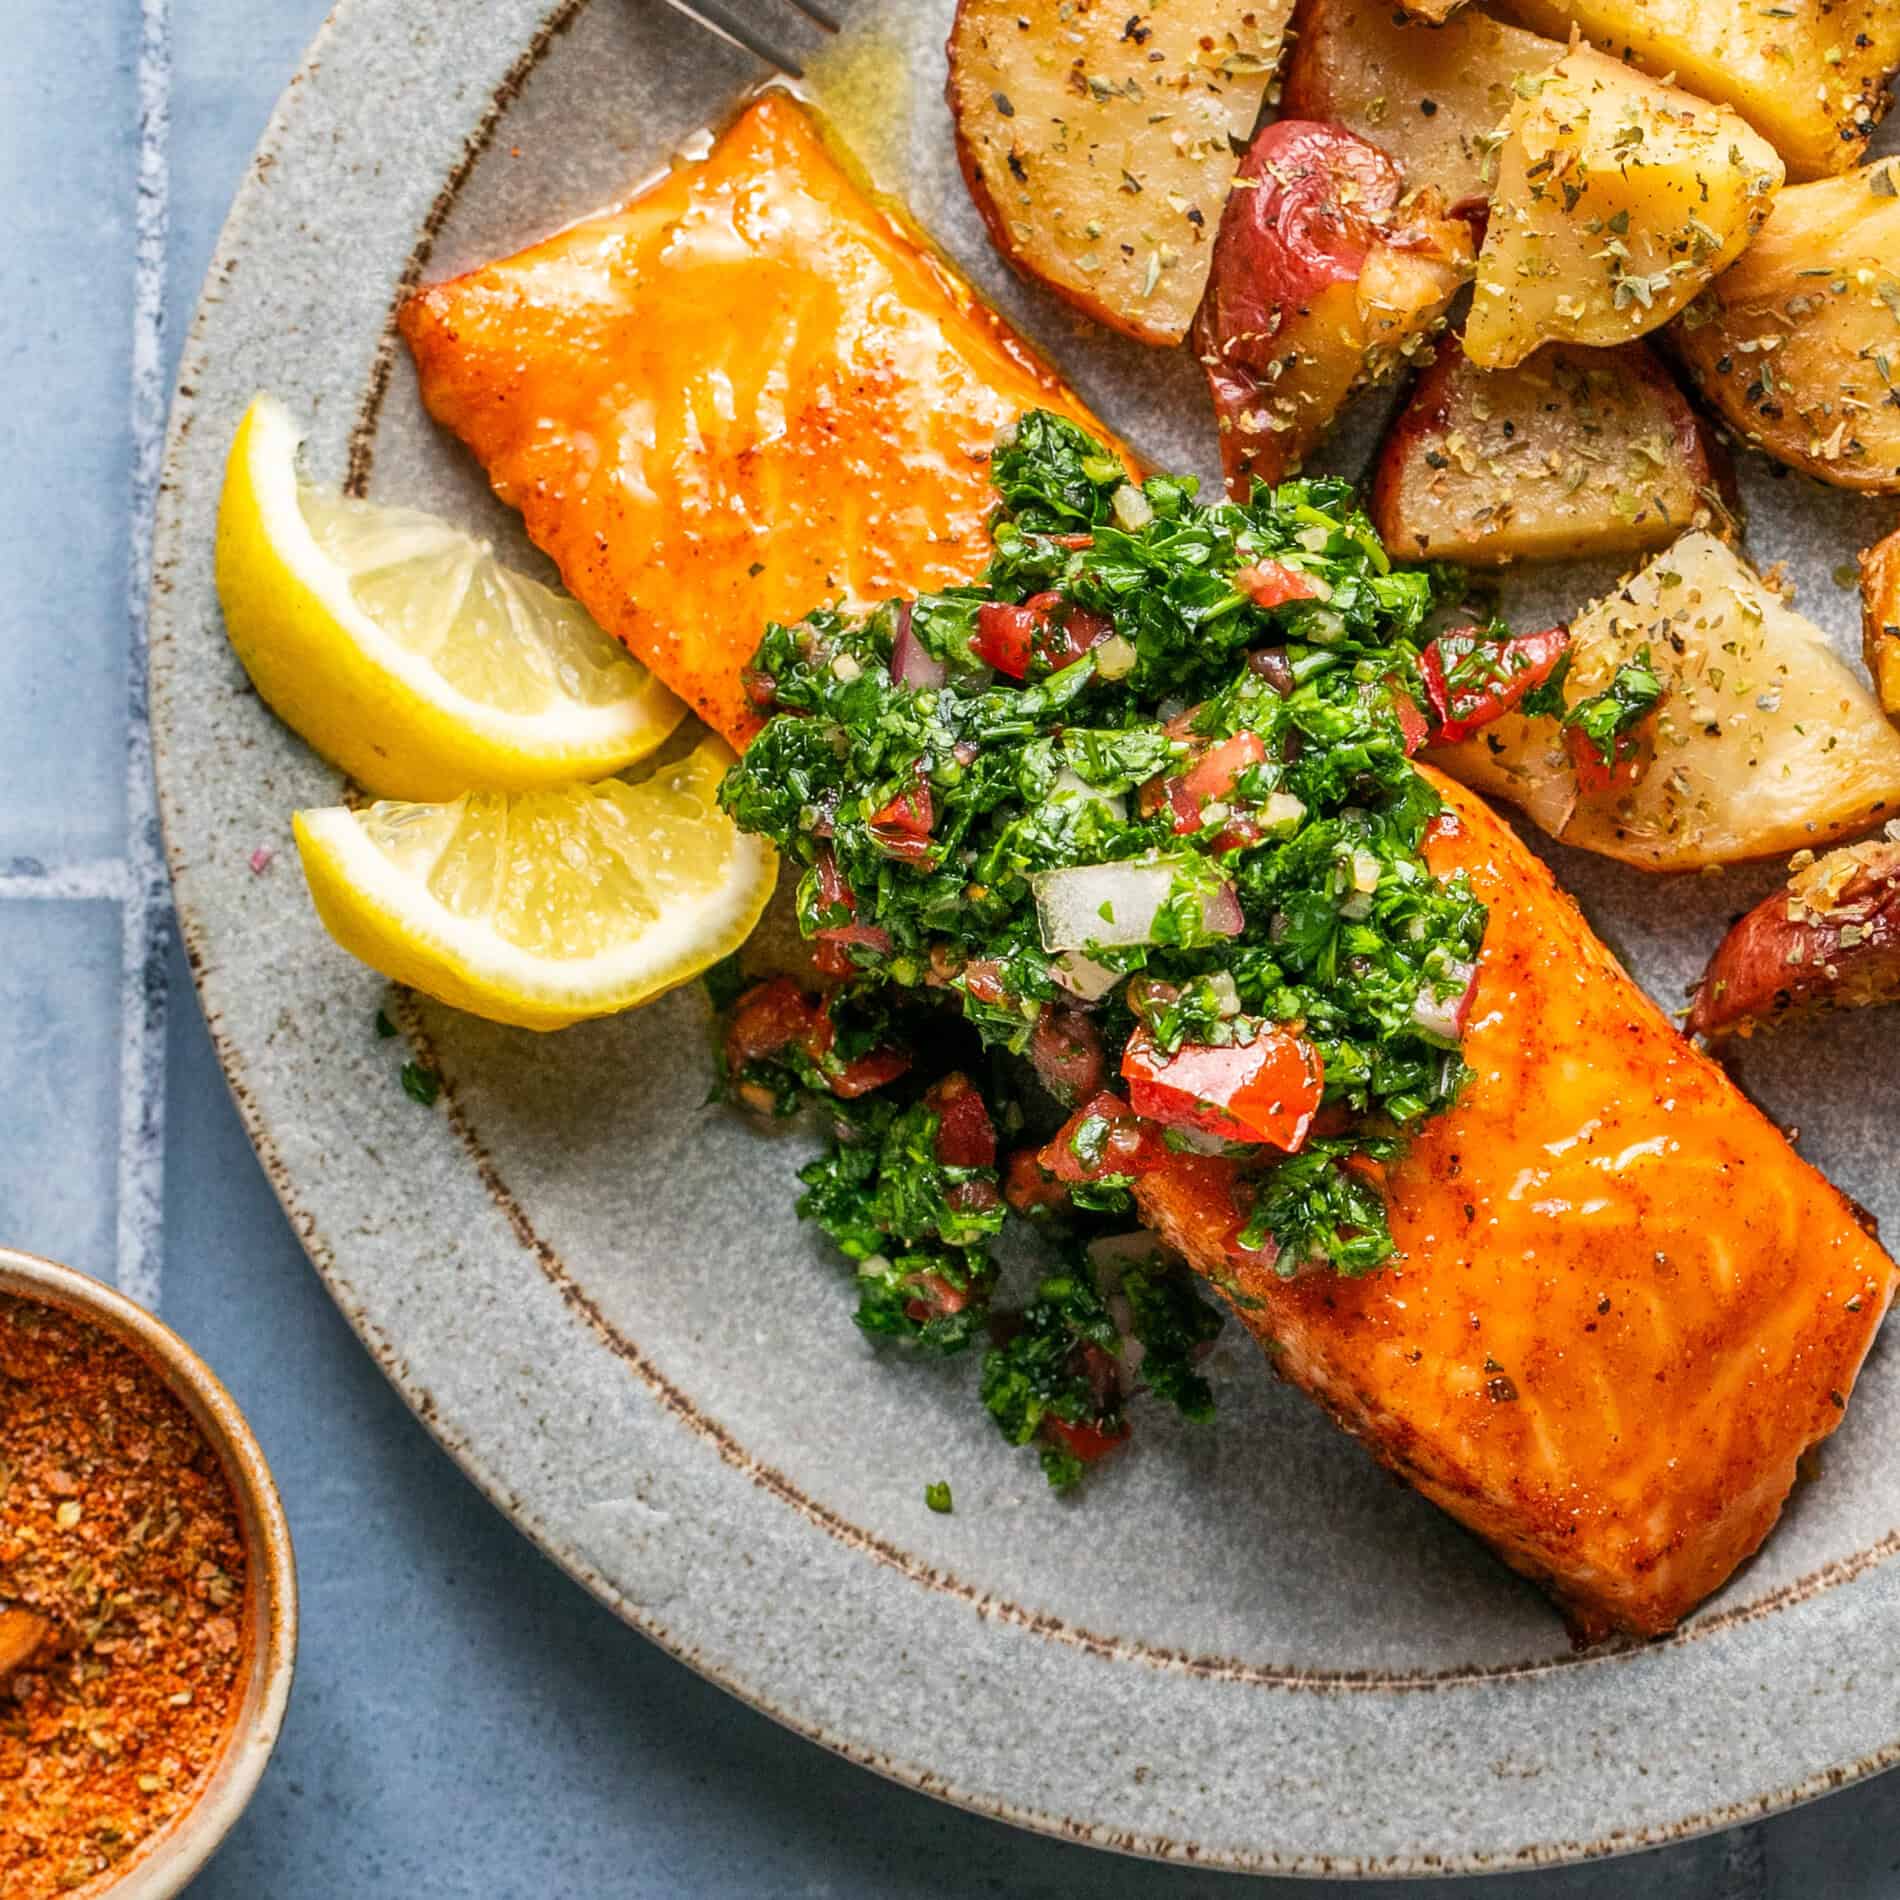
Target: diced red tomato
(1045,625)
(867,1073)
(1414,728)
(1215,773)
(1211,775)
(902,827)
(1129,1145)
(933,1297)
(1030,1188)
(1237,834)
(965,1138)
(982,978)
(771,1016)
(1088,1442)
(1066,1052)
(832,889)
(1595,773)
(974,1197)
(832,957)
(911,812)
(1265,1090)
(767,1020)
(1273,584)
(833,940)
(1005,637)
(1471,679)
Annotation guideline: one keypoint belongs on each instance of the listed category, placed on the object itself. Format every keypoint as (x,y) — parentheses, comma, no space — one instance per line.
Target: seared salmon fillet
(1622,1307)
(745,393)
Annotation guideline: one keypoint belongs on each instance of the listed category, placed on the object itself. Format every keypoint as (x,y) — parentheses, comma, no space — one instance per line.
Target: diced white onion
(1132,508)
(1226,992)
(1281,812)
(1071,784)
(1115,658)
(1083,977)
(1116,904)
(1365,871)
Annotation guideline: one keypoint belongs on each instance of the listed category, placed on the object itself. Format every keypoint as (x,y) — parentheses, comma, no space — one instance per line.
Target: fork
(723,23)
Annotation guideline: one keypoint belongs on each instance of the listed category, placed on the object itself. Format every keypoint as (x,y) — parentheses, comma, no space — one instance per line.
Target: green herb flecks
(1606,717)
(421,1083)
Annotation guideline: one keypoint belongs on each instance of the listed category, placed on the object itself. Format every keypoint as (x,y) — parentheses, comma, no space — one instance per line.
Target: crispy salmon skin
(1622,1306)
(745,393)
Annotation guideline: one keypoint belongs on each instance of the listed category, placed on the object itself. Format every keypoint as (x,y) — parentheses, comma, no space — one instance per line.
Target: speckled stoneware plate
(1246,1646)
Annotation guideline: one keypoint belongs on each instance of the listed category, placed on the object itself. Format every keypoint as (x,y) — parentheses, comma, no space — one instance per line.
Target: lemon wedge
(403,651)
(542,908)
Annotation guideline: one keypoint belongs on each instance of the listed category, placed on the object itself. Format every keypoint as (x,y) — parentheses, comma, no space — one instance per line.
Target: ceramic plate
(1243,1646)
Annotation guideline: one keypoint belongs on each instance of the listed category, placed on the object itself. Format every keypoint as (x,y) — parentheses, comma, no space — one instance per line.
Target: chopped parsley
(937,1497)
(1606,717)
(420,1083)
(918,1228)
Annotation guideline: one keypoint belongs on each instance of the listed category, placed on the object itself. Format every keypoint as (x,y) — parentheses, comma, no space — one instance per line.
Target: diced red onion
(1444,1017)
(1222,911)
(912,663)
(1272,665)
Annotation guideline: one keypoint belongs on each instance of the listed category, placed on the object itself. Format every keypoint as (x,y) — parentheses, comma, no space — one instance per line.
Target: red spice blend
(117,1526)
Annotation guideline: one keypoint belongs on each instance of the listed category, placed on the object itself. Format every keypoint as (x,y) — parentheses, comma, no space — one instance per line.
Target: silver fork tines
(724,23)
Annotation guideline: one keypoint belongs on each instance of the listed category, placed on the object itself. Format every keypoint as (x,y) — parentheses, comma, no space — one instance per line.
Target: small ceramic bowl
(167,1864)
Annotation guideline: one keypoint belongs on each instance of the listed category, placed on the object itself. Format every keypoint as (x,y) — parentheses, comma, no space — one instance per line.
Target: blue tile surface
(466,1721)
(68,155)
(59,1080)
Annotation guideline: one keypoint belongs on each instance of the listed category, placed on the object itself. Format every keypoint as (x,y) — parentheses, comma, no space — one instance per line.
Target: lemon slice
(404,652)
(541,908)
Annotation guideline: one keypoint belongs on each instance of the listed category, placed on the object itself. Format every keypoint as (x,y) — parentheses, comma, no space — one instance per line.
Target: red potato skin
(1422,425)
(1280,331)
(1786,957)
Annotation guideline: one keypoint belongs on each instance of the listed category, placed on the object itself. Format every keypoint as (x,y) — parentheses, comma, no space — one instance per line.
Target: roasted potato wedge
(1880,621)
(1797,345)
(1574,452)
(1432,12)
(1617,199)
(1829,940)
(1098,139)
(1325,277)
(1433,97)
(1809,75)
(1765,740)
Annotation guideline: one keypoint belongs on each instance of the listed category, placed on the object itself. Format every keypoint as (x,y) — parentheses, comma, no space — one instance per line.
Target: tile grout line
(146,920)
(86,881)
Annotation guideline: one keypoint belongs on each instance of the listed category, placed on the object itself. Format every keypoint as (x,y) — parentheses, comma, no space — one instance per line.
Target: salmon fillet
(1622,1307)
(745,393)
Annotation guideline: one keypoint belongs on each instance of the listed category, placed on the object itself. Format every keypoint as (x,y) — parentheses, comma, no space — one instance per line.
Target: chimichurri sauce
(1126,831)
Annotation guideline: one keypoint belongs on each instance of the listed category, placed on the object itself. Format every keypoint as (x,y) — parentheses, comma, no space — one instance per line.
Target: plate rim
(173,519)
